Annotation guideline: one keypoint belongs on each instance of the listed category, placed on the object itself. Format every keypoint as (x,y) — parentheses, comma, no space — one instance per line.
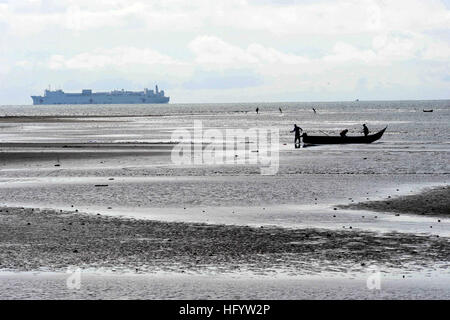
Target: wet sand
(432,202)
(62,151)
(65,118)
(51,285)
(50,161)
(32,239)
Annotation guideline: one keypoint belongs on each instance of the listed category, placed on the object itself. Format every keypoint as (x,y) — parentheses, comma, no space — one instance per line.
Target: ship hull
(39,100)
(114,97)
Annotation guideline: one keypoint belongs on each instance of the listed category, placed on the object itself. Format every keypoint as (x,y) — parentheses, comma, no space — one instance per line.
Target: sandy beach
(101,194)
(124,258)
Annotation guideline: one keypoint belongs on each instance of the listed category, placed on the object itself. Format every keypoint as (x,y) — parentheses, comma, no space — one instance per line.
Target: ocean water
(412,154)
(407,123)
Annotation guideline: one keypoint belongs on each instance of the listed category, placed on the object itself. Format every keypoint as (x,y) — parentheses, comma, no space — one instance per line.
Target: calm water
(407,123)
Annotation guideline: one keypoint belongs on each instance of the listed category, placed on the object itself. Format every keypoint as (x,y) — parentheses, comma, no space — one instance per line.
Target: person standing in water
(281,111)
(257,110)
(298,135)
(365,130)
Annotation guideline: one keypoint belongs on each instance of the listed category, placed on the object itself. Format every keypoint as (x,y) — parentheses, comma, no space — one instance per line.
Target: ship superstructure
(113,97)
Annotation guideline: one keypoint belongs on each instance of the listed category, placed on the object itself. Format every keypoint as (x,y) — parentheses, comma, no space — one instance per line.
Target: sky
(202,51)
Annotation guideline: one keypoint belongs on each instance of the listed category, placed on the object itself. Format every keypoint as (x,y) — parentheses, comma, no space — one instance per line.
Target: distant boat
(431,110)
(342,140)
(357,100)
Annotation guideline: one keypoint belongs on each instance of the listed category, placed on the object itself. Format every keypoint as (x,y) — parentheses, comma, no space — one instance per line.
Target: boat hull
(342,140)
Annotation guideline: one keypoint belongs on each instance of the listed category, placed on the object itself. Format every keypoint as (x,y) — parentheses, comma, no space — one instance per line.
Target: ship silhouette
(113,97)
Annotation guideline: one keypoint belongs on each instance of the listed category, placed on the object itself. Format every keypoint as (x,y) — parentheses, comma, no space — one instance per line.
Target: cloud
(209,52)
(390,48)
(344,52)
(389,60)
(115,57)
(272,48)
(213,52)
(224,80)
(300,18)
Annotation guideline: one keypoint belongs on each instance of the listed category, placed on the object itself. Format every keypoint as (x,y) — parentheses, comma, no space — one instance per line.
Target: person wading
(298,132)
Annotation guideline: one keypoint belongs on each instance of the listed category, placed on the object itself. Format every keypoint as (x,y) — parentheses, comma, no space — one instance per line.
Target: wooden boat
(342,140)
(431,110)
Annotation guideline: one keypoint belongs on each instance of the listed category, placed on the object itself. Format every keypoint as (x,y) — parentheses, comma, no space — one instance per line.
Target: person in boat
(298,133)
(365,130)
(344,133)
(257,110)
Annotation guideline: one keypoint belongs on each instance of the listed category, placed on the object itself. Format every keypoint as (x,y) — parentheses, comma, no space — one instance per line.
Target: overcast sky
(228,51)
